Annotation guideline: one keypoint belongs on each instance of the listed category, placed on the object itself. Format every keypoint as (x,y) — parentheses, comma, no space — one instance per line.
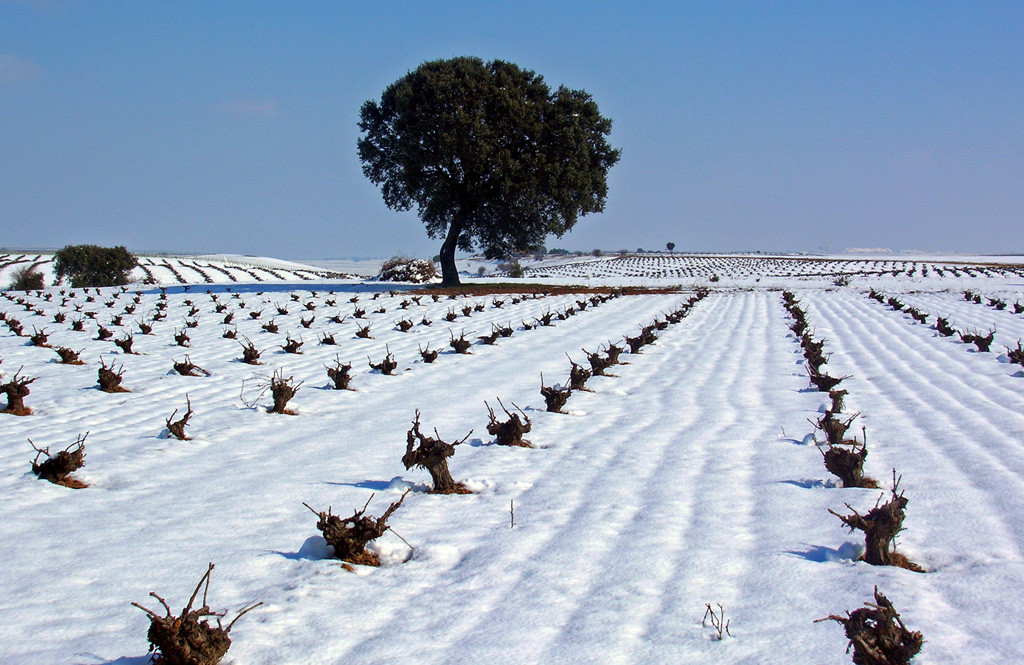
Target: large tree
(90,265)
(488,154)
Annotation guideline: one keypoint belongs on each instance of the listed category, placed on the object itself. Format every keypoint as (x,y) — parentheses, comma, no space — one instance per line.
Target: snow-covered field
(689,477)
(218,269)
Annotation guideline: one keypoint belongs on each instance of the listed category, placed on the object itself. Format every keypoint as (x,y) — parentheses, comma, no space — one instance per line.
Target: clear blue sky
(776,126)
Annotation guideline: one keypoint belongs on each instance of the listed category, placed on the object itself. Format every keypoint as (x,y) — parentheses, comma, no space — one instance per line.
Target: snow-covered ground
(689,477)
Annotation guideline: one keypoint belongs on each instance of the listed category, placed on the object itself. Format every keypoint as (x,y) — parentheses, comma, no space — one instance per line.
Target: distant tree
(90,265)
(671,246)
(559,252)
(488,154)
(596,252)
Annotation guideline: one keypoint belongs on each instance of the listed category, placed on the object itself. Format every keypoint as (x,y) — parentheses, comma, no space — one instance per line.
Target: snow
(689,477)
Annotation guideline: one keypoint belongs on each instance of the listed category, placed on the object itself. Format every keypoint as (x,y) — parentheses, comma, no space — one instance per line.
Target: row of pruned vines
(943,327)
(876,633)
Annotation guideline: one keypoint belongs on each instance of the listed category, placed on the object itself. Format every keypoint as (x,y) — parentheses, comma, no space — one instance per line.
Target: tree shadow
(820,554)
(811,483)
(123,660)
(396,483)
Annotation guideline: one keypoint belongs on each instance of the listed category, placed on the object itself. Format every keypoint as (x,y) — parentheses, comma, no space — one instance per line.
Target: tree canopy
(91,265)
(487,153)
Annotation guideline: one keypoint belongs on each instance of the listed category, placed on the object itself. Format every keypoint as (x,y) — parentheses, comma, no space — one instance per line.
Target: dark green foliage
(27,279)
(90,265)
(488,154)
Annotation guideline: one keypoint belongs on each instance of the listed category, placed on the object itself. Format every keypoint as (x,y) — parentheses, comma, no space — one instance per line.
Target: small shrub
(109,380)
(432,454)
(17,390)
(405,269)
(386,366)
(39,338)
(349,536)
(339,375)
(58,468)
(427,355)
(509,432)
(877,634)
(189,639)
(188,368)
(176,428)
(282,390)
(68,356)
(125,344)
(555,396)
(1015,355)
(250,354)
(982,343)
(26,279)
(881,525)
(460,345)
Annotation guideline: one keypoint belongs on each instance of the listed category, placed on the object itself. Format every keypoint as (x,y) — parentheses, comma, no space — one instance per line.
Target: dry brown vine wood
(578,375)
(428,355)
(17,389)
(845,460)
(509,432)
(1015,355)
(981,342)
(57,468)
(432,454)
(176,428)
(188,368)
(877,634)
(386,366)
(837,399)
(39,338)
(460,345)
(834,428)
(250,354)
(68,356)
(110,381)
(349,536)
(282,390)
(189,639)
(599,363)
(339,374)
(823,382)
(881,525)
(555,396)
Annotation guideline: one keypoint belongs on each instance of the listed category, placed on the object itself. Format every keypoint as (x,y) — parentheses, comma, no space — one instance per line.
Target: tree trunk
(449,273)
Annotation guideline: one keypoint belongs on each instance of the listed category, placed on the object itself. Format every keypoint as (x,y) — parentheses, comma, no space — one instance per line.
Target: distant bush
(513,269)
(27,279)
(405,269)
(91,265)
